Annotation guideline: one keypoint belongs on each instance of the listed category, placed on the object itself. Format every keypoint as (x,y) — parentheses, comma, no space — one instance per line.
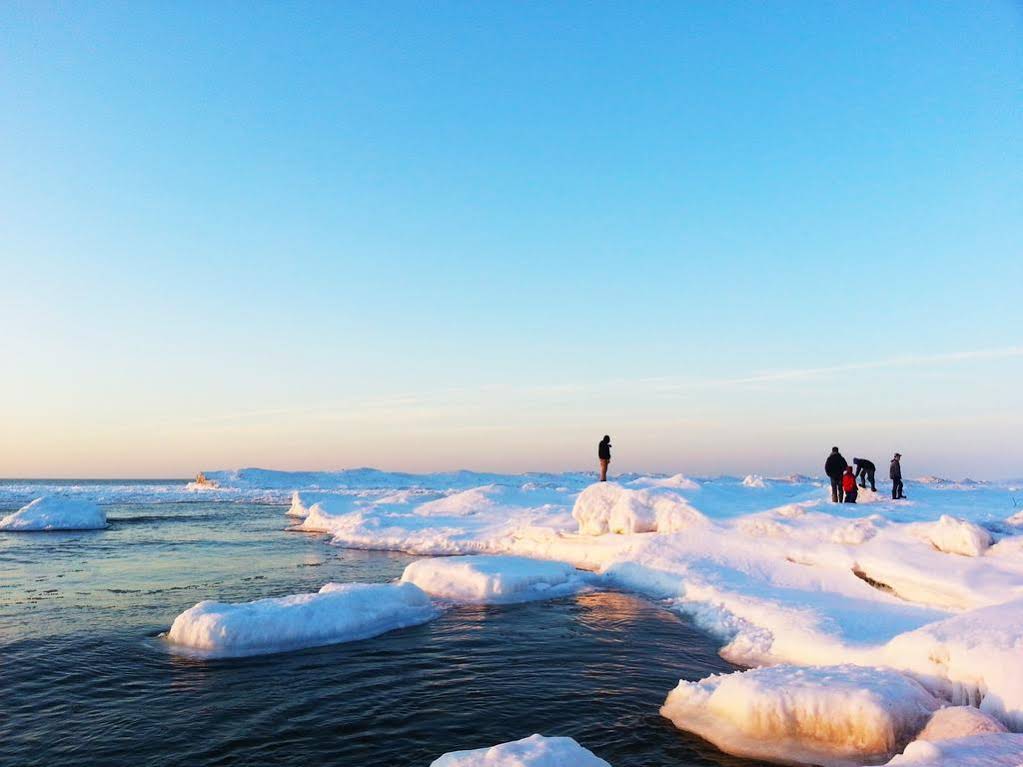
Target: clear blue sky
(482,234)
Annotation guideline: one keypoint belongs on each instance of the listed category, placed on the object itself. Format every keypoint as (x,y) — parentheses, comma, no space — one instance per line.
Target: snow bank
(826,715)
(974,658)
(534,751)
(54,512)
(339,612)
(974,751)
(606,507)
(754,480)
(493,579)
(959,722)
(956,536)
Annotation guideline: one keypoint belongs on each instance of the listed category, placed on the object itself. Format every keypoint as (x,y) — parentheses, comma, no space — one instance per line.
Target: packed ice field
(885,632)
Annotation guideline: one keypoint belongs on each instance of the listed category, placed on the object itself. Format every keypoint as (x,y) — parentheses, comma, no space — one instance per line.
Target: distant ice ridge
(54,512)
(534,751)
(339,612)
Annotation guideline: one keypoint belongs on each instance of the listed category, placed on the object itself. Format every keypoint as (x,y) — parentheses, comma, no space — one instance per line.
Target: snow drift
(956,536)
(493,579)
(973,751)
(837,715)
(53,512)
(339,612)
(607,507)
(534,751)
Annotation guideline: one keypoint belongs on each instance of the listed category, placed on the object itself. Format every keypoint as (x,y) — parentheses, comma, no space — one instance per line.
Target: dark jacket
(862,464)
(835,466)
(604,451)
(895,472)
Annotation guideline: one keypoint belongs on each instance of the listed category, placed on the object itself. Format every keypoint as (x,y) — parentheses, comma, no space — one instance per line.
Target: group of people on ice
(844,477)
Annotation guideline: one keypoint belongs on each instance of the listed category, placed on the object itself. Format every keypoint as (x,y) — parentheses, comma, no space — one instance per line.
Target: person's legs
(850,497)
(603,469)
(870,477)
(901,493)
(861,477)
(836,485)
(897,489)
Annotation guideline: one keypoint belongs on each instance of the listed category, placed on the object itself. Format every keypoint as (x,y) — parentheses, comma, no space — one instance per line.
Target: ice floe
(54,512)
(839,715)
(494,579)
(534,751)
(339,612)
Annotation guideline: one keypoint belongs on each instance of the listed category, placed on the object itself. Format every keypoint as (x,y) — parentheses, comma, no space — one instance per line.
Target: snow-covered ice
(534,751)
(339,612)
(55,512)
(493,579)
(1001,750)
(959,722)
(609,507)
(837,715)
(931,589)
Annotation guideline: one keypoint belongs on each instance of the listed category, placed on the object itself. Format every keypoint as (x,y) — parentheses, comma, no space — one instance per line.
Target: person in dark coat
(849,485)
(895,472)
(604,456)
(835,467)
(865,472)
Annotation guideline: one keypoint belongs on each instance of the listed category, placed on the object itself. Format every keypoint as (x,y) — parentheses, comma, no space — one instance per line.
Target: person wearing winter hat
(895,472)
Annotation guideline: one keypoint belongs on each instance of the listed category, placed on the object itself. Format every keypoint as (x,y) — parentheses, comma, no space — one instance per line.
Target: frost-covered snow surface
(534,751)
(55,512)
(339,612)
(974,751)
(826,715)
(959,722)
(929,589)
(493,579)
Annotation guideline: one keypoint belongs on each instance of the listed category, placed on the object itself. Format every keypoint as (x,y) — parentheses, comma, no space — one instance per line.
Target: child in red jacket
(849,485)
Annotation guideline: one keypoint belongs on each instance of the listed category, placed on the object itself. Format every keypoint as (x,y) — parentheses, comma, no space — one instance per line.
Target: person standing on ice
(895,472)
(865,472)
(835,467)
(849,485)
(604,456)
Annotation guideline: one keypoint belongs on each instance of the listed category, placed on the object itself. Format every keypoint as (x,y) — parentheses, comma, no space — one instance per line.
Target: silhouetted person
(895,472)
(849,485)
(835,467)
(865,472)
(604,456)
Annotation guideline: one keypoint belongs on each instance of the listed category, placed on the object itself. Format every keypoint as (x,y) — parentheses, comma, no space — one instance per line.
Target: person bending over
(835,467)
(604,456)
(865,473)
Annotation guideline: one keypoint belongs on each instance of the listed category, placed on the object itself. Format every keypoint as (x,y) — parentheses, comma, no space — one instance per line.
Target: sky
(425,236)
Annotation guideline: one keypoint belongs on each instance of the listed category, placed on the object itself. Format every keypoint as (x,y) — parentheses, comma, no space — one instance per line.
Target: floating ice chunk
(608,507)
(493,579)
(534,751)
(959,722)
(956,536)
(339,612)
(972,658)
(54,512)
(754,480)
(824,715)
(991,750)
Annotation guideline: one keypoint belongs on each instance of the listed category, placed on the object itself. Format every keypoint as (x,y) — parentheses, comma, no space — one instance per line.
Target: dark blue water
(85,680)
